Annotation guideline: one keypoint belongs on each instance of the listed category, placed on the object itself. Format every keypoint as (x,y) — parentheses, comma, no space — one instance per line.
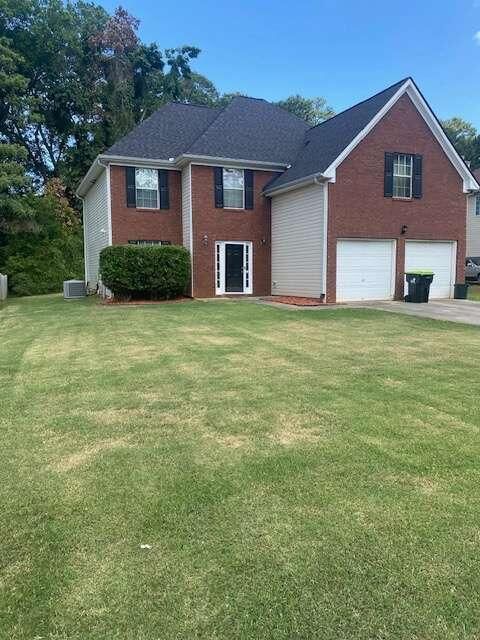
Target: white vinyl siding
(473,228)
(298,242)
(96,226)
(365,270)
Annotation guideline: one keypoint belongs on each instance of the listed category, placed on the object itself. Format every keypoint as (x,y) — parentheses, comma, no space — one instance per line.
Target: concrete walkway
(464,311)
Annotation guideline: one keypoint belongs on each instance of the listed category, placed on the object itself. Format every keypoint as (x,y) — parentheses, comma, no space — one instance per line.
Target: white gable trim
(469,182)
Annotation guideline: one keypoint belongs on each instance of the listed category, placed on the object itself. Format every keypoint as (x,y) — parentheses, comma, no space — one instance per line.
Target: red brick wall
(357,207)
(145,224)
(221,224)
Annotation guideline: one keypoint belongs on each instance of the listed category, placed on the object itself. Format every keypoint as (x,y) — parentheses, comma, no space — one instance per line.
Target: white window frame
(242,171)
(220,264)
(476,210)
(136,189)
(396,158)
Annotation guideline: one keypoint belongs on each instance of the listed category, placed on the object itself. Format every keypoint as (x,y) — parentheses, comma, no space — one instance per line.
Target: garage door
(365,269)
(440,257)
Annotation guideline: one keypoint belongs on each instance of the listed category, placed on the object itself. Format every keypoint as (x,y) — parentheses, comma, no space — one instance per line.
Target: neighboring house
(268,205)
(473,222)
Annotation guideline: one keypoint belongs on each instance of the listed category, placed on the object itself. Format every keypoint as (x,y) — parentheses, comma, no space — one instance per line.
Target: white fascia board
(330,171)
(240,163)
(295,184)
(133,161)
(469,182)
(90,178)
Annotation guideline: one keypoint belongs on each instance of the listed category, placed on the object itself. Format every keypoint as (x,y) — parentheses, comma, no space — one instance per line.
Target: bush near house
(153,272)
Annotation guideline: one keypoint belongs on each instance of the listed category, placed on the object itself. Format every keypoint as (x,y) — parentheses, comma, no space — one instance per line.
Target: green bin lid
(420,272)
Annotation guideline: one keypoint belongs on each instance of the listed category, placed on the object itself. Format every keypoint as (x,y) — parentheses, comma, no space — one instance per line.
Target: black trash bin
(461,291)
(419,282)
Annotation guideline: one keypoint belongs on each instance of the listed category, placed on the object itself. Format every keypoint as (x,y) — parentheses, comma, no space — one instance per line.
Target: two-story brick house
(268,205)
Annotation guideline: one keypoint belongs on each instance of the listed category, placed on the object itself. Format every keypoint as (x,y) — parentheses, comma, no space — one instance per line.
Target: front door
(234,261)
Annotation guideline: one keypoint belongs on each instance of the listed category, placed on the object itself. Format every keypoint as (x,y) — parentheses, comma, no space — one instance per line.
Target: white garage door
(365,269)
(440,257)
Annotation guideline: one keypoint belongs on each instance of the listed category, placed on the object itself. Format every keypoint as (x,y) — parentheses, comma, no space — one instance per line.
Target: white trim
(247,270)
(84,240)
(109,206)
(190,214)
(260,165)
(469,182)
(295,184)
(325,239)
(141,162)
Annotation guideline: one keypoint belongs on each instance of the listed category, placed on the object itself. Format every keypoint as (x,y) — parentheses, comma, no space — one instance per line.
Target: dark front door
(234,268)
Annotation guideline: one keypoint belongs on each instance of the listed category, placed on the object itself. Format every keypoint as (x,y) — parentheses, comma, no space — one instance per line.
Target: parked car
(472,269)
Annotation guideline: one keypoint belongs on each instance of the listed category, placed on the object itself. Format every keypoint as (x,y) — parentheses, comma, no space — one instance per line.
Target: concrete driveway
(464,311)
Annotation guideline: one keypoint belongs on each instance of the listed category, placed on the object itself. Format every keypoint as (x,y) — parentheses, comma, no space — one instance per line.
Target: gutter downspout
(324,184)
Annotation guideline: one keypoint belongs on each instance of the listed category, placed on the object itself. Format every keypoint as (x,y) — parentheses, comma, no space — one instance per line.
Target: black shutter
(130,181)
(417,177)
(248,178)
(218,186)
(163,189)
(388,176)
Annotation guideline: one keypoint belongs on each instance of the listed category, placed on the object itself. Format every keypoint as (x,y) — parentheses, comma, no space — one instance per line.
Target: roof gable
(328,144)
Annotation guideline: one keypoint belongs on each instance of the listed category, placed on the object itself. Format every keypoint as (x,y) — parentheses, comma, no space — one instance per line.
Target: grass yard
(474,292)
(298,474)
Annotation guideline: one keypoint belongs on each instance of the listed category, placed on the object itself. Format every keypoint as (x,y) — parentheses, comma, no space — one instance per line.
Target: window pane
(233,198)
(146,198)
(402,176)
(233,179)
(146,179)
(477,206)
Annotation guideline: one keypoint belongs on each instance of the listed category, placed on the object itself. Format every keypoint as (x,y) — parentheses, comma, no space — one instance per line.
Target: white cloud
(476,37)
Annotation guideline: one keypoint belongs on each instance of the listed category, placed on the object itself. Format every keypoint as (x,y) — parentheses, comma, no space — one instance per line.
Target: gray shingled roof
(247,129)
(252,129)
(167,133)
(325,142)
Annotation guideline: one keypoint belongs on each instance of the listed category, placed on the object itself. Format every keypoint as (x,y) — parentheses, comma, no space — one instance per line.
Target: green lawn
(474,292)
(298,474)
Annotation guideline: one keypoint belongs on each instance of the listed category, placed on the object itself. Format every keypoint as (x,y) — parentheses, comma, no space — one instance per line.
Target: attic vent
(74,289)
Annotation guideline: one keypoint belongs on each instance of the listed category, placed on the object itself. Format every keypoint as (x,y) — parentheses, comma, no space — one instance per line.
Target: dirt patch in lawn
(84,456)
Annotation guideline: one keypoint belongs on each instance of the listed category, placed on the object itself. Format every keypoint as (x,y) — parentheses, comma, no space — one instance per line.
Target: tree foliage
(466,139)
(312,110)
(73,79)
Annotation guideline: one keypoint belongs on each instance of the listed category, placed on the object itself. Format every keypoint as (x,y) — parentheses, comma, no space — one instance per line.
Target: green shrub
(152,272)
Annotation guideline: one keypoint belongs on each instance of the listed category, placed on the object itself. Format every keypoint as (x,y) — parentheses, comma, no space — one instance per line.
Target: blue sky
(342,50)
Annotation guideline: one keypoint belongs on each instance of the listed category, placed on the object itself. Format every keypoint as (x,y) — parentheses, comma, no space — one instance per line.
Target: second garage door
(439,257)
(365,269)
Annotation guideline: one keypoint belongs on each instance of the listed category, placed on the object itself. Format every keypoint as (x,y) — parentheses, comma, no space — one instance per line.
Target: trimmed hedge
(150,272)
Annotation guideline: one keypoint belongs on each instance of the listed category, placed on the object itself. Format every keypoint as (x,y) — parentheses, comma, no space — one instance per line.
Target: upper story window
(402,175)
(233,189)
(477,206)
(146,188)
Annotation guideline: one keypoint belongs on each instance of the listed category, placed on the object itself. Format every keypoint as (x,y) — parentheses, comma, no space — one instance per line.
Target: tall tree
(312,110)
(465,138)
(89,79)
(15,210)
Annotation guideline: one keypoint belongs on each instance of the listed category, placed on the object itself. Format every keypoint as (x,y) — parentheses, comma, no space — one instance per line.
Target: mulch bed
(113,301)
(296,300)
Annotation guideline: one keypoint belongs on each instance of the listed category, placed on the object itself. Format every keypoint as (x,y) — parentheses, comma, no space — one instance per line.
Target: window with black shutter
(403,176)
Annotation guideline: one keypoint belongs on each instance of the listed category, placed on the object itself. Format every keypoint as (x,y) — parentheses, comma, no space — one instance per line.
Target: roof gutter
(186,158)
(314,178)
